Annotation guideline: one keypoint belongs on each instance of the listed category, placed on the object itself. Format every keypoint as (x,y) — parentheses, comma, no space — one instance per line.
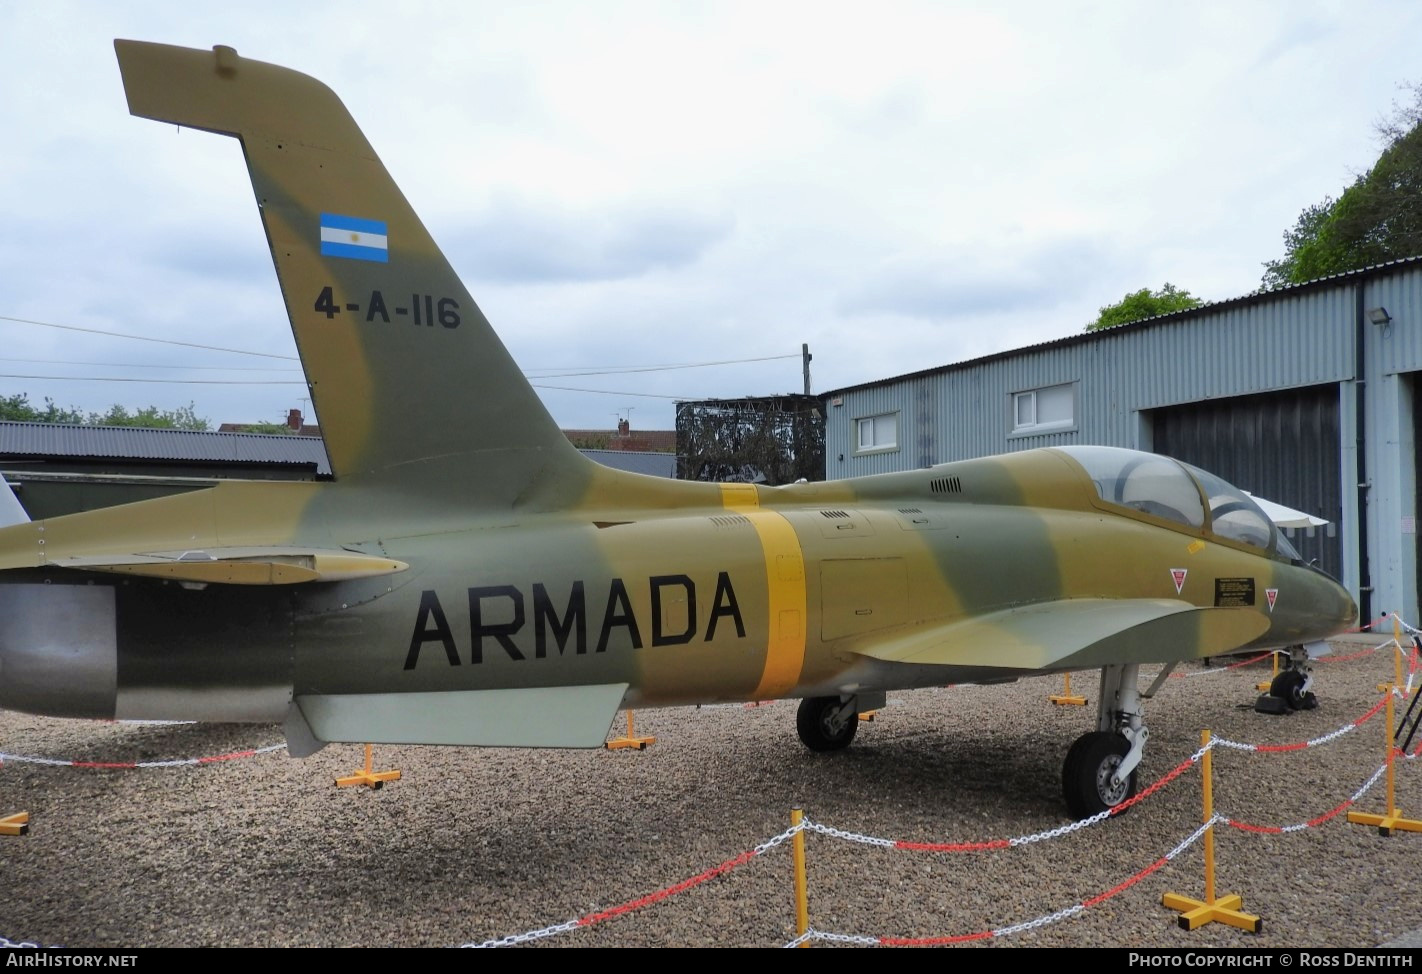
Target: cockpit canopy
(1175,491)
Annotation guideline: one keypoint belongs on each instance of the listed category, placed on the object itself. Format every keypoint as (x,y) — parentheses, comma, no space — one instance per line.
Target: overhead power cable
(147,365)
(174,382)
(628,369)
(146,338)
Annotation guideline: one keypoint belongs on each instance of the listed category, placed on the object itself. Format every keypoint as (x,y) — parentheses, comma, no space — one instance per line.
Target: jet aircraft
(468,578)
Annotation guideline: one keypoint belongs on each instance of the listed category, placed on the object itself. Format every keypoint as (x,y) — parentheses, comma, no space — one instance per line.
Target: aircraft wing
(1072,633)
(241,566)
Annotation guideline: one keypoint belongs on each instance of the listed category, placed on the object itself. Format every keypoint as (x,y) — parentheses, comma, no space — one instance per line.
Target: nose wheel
(1090,778)
(1100,768)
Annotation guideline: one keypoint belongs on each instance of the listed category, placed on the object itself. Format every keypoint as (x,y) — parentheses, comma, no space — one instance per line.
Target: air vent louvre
(909,510)
(946,485)
(835,513)
(729,520)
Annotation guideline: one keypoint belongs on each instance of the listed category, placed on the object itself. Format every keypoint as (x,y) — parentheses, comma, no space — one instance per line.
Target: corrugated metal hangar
(58,469)
(1275,392)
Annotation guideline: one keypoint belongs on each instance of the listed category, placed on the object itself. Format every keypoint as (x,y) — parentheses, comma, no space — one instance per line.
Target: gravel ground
(477,844)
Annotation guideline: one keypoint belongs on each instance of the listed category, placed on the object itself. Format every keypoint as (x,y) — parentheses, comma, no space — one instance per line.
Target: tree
(271,429)
(1376,219)
(17,407)
(1144,303)
(151,417)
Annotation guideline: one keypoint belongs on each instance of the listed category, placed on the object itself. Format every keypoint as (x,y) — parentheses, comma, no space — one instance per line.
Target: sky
(622,185)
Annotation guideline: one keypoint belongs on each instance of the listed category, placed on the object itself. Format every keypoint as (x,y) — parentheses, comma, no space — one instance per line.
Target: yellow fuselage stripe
(785,591)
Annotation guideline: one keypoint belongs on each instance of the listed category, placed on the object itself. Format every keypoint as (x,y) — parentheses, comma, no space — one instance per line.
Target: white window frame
(1034,428)
(861,450)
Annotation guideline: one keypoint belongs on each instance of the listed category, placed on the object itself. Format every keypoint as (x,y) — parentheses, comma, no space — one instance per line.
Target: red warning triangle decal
(1178,575)
(1272,594)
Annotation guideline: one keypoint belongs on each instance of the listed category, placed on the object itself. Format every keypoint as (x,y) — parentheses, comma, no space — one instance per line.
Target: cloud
(951,282)
(516,242)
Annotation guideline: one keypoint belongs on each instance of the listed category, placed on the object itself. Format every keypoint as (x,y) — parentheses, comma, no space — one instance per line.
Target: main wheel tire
(1288,686)
(819,726)
(1087,772)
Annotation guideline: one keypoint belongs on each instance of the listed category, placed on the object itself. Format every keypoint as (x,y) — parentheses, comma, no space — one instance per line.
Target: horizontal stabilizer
(535,717)
(241,566)
(1077,633)
(10,510)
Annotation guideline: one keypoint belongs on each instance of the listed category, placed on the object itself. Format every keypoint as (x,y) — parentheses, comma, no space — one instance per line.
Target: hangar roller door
(1279,445)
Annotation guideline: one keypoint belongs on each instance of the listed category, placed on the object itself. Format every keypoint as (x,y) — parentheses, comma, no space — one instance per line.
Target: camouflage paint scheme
(468,577)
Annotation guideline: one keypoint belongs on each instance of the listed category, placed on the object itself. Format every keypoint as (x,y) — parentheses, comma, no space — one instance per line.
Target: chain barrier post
(368,776)
(17,824)
(1066,698)
(630,739)
(1397,654)
(1392,818)
(802,886)
(1264,685)
(1226,909)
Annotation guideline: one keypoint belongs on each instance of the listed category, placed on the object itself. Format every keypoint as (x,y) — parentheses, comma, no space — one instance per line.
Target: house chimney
(293,420)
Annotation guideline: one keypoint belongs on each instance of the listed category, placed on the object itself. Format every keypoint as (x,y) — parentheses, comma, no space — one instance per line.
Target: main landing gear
(827,723)
(1100,768)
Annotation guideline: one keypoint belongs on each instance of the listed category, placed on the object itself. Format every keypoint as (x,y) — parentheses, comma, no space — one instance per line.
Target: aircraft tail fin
(10,510)
(412,387)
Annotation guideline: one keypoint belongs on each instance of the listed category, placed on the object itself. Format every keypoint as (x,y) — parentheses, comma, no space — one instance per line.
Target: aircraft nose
(1330,607)
(58,650)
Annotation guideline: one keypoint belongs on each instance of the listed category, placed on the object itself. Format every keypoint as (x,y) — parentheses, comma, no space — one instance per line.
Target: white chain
(20,759)
(849,836)
(523,938)
(175,763)
(840,938)
(1060,830)
(1039,922)
(568,926)
(1194,837)
(769,844)
(1369,783)
(1213,670)
(1331,736)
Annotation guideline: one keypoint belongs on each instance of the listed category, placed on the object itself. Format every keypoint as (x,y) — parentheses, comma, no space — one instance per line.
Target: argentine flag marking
(352,237)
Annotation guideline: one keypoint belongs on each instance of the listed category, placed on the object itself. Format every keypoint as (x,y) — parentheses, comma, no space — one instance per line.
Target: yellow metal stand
(1393,820)
(802,883)
(1225,909)
(630,739)
(1065,698)
(368,776)
(1264,686)
(17,824)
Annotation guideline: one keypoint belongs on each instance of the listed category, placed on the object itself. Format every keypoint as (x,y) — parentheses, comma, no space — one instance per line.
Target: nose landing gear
(1100,768)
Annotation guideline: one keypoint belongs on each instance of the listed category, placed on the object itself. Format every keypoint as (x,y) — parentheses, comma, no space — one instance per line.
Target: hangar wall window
(877,433)
(1044,410)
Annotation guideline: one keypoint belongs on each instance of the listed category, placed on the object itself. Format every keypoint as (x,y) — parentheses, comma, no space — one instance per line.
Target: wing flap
(570,716)
(1076,632)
